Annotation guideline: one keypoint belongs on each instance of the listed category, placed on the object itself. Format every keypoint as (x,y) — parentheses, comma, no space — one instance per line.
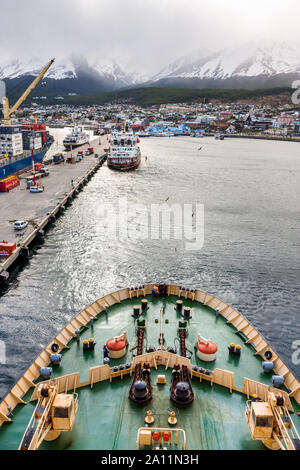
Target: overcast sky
(140,34)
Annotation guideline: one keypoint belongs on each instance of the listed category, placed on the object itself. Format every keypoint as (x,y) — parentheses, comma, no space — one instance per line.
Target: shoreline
(264,137)
(42,211)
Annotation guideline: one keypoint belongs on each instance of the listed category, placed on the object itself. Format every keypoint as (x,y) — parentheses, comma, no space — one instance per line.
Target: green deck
(106,419)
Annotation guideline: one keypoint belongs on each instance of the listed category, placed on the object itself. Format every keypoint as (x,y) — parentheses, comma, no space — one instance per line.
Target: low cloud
(140,34)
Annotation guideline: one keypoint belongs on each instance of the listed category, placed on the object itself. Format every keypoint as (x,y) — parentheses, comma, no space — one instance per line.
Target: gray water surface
(250,258)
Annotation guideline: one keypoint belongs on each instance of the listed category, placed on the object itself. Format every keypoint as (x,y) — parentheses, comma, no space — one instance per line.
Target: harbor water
(250,257)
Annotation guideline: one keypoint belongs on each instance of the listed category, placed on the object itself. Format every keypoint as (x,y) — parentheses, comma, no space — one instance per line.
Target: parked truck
(89,151)
(58,158)
(43,171)
(37,167)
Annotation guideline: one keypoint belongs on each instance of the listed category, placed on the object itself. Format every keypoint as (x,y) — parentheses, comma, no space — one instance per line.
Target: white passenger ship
(124,152)
(76,138)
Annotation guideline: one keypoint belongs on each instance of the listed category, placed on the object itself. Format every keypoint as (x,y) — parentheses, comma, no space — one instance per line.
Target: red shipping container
(9,183)
(5,246)
(34,127)
(37,166)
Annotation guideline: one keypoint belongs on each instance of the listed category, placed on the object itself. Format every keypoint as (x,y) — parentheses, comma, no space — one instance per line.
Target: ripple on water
(250,257)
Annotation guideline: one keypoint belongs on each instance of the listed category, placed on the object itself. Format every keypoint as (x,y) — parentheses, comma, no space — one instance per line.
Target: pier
(280,138)
(64,182)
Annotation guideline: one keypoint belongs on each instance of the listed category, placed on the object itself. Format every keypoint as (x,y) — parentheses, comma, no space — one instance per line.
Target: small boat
(163,134)
(144,134)
(219,136)
(197,134)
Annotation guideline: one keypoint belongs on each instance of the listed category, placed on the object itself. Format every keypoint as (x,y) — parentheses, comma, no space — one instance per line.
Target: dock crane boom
(270,422)
(7,112)
(54,413)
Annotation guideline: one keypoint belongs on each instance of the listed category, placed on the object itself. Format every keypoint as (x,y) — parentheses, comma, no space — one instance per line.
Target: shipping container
(34,127)
(9,247)
(58,158)
(9,183)
(10,129)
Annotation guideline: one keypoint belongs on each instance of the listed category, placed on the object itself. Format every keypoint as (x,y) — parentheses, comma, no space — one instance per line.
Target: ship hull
(22,165)
(124,166)
(73,146)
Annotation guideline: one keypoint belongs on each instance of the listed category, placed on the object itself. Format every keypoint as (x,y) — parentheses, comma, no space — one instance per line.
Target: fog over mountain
(140,35)
(73,74)
(107,45)
(246,66)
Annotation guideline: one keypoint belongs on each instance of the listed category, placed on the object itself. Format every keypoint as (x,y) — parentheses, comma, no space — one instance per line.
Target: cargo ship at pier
(22,145)
(154,367)
(124,152)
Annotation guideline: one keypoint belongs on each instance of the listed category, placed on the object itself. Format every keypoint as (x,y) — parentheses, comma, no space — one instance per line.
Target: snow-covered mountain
(136,78)
(72,74)
(255,65)
(22,67)
(272,64)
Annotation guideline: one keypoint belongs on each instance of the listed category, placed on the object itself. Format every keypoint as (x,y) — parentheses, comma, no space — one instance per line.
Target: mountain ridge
(248,65)
(255,65)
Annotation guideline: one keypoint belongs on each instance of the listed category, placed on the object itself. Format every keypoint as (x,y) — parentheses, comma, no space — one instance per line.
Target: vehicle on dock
(20,224)
(44,171)
(36,189)
(79,156)
(41,174)
(215,395)
(29,182)
(89,151)
(37,167)
(58,158)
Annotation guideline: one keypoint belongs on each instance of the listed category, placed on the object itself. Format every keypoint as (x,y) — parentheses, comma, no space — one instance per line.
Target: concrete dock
(280,138)
(64,181)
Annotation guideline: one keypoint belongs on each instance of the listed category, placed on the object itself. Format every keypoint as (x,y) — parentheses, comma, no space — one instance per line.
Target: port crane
(54,413)
(7,111)
(270,422)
